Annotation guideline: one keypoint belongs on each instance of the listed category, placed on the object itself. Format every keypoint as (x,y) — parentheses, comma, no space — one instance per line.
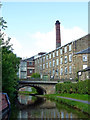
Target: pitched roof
(84,51)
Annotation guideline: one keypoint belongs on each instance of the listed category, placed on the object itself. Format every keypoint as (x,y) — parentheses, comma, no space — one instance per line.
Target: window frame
(61,51)
(57,53)
(61,71)
(70,69)
(70,57)
(53,63)
(53,54)
(70,47)
(85,59)
(61,60)
(65,49)
(65,59)
(65,71)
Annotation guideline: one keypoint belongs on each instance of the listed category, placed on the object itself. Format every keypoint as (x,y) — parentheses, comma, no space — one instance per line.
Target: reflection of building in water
(26,100)
(45,113)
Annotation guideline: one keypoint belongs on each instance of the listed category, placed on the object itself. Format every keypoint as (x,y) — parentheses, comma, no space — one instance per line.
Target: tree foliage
(35,75)
(10,65)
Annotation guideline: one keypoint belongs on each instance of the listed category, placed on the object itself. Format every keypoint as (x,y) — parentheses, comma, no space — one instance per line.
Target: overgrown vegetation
(10,64)
(35,75)
(81,87)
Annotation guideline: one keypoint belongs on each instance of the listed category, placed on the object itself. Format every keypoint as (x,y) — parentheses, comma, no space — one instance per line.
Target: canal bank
(75,103)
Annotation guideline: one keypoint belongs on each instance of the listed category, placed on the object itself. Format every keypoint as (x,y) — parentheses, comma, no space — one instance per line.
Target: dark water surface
(33,107)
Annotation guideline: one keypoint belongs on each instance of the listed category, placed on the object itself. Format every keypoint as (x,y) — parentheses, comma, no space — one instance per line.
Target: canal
(38,108)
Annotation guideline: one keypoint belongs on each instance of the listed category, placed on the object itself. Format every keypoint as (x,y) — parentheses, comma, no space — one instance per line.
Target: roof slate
(84,51)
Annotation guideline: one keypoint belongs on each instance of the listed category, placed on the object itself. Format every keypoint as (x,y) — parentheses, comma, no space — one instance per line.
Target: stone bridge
(42,87)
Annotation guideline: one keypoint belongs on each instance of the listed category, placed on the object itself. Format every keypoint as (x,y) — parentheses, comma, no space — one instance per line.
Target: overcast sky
(31,25)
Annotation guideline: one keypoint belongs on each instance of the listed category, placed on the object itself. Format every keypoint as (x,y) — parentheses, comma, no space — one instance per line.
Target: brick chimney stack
(58,37)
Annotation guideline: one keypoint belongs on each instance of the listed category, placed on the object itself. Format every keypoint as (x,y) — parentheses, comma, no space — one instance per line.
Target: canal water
(29,107)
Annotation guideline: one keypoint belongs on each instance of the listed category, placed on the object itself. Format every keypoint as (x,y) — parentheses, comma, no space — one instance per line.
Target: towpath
(87,102)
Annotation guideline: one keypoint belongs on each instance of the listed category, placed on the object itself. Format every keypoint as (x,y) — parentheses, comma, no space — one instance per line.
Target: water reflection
(26,99)
(33,107)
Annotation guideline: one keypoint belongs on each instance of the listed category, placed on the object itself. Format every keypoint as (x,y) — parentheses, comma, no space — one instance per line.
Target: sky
(31,25)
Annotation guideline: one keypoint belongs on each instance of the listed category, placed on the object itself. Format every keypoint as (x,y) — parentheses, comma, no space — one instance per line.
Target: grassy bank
(78,105)
(85,97)
(26,92)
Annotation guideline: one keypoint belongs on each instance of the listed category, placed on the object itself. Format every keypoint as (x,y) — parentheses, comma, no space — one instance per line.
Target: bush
(79,87)
(35,75)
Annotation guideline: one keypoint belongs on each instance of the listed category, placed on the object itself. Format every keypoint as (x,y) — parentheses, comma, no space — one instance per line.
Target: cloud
(46,42)
(16,45)
(37,42)
(68,35)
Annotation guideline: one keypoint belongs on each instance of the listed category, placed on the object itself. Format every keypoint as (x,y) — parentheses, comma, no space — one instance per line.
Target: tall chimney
(58,37)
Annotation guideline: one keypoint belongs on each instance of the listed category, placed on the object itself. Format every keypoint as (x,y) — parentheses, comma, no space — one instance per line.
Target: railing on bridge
(58,80)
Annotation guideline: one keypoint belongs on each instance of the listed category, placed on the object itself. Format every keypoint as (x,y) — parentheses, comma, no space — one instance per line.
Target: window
(46,65)
(46,57)
(43,66)
(84,66)
(49,56)
(65,70)
(53,72)
(84,58)
(53,54)
(38,60)
(23,75)
(61,60)
(70,69)
(57,61)
(65,49)
(23,63)
(61,72)
(53,62)
(43,59)
(30,63)
(35,62)
(23,68)
(65,59)
(30,71)
(57,72)
(40,67)
(61,51)
(56,53)
(70,47)
(70,57)
(50,64)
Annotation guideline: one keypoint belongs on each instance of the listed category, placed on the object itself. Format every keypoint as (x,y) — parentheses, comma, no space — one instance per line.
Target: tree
(35,75)
(10,65)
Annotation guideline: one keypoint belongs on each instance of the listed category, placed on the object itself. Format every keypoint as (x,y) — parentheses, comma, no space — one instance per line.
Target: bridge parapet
(57,80)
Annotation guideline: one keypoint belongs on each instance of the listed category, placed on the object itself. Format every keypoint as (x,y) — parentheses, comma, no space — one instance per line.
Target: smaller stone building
(83,62)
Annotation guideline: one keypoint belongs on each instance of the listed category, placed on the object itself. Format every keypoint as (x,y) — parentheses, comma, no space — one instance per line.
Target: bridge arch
(40,90)
(43,87)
